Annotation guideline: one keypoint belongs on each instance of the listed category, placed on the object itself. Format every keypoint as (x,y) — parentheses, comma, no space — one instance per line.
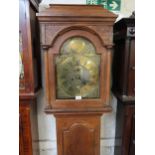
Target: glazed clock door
(21,63)
(76,67)
(29,50)
(23,48)
(77,70)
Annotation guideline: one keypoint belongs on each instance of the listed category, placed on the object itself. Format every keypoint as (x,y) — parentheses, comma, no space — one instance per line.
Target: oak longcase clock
(77,43)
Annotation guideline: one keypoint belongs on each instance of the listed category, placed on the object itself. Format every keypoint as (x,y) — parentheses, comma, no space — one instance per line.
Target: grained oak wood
(53,35)
(77,121)
(75,13)
(78,134)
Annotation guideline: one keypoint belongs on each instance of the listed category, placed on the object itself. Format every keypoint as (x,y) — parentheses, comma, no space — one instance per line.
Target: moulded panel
(78,134)
(76,138)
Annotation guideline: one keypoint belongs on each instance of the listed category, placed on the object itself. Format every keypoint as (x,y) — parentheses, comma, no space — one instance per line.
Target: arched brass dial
(77,69)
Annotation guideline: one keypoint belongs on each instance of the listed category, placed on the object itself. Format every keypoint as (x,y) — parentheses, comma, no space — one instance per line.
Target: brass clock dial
(77,69)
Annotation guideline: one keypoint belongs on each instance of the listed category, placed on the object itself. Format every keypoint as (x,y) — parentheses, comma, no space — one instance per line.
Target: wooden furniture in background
(67,32)
(124,85)
(124,59)
(30,79)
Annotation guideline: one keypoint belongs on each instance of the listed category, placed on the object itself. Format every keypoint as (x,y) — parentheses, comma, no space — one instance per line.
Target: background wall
(46,123)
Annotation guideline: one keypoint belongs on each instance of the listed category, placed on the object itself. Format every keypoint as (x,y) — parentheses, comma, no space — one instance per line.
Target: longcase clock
(124,84)
(77,45)
(29,76)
